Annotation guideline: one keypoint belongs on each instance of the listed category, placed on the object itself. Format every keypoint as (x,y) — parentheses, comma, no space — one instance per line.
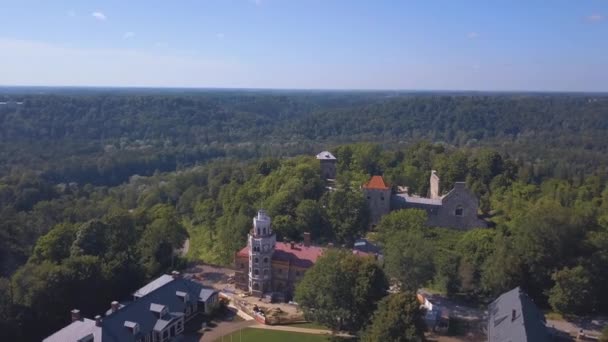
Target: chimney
(513,315)
(75,315)
(115,306)
(307,239)
(175,275)
(98,320)
(292,244)
(435,191)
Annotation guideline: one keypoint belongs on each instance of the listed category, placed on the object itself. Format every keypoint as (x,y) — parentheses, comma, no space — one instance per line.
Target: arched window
(459,211)
(265,260)
(256,271)
(256,260)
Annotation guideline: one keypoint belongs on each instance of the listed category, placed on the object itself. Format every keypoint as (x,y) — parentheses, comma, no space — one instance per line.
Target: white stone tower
(261,247)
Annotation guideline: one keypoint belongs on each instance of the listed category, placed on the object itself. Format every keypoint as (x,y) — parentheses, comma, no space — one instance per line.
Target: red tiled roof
(300,255)
(376,182)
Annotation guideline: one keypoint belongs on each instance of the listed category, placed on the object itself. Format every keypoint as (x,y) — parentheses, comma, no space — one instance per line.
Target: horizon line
(368,90)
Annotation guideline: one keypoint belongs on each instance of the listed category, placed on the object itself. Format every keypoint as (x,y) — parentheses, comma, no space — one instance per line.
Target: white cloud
(594,18)
(220,35)
(99,15)
(128,35)
(472,35)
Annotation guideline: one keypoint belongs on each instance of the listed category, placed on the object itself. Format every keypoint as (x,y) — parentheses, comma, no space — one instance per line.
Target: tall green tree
(573,291)
(341,290)
(397,319)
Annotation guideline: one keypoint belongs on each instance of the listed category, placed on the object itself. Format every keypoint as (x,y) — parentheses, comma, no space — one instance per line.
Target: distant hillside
(104,136)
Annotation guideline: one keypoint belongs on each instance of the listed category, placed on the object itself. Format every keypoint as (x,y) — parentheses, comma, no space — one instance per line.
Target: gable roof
(300,255)
(376,183)
(514,317)
(76,331)
(153,285)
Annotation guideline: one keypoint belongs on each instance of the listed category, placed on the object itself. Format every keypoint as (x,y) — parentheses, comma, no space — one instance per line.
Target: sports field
(262,335)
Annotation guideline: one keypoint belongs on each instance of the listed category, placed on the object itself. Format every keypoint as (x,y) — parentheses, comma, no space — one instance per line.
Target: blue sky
(548,45)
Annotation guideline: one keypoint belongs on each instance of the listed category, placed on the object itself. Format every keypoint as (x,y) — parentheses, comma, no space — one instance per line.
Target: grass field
(253,335)
(309,326)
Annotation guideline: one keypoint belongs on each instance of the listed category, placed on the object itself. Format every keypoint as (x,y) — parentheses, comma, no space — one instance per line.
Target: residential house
(158,313)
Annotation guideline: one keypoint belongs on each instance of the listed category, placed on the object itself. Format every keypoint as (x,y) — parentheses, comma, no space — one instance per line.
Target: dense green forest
(97,190)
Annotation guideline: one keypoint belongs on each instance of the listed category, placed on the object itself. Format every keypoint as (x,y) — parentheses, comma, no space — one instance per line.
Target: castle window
(256,260)
(265,260)
(459,211)
(256,271)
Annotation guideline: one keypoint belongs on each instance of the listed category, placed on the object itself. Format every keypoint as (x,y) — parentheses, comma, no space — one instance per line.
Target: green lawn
(254,335)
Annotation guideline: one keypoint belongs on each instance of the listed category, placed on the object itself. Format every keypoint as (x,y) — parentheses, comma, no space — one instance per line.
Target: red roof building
(288,264)
(376,183)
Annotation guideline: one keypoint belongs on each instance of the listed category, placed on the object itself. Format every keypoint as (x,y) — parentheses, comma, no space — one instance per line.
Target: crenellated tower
(261,247)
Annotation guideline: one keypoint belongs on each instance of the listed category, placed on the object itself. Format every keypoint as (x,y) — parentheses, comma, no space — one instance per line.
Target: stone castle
(455,209)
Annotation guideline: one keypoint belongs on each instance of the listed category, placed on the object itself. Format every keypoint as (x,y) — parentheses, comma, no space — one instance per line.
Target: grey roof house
(513,317)
(157,314)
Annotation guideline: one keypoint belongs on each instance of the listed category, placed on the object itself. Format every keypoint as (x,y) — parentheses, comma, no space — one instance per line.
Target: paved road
(458,309)
(591,326)
(225,328)
(185,248)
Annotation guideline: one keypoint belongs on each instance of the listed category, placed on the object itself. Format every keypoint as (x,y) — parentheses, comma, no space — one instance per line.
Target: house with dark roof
(158,313)
(514,317)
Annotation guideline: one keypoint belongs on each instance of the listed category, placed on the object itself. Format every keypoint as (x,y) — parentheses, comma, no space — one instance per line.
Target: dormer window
(159,310)
(184,296)
(132,326)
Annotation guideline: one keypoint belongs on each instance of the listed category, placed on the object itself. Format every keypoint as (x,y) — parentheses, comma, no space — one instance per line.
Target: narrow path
(299,330)
(185,248)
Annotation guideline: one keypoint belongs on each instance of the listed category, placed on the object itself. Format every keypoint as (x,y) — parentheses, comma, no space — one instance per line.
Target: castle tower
(261,247)
(328,165)
(435,191)
(378,196)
